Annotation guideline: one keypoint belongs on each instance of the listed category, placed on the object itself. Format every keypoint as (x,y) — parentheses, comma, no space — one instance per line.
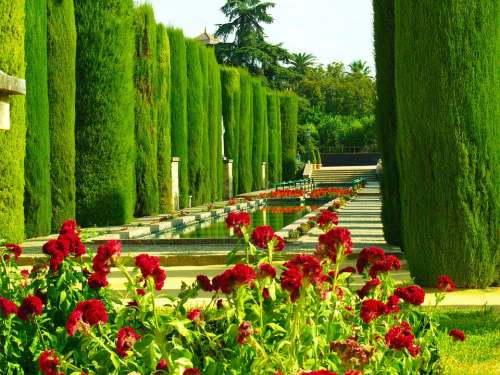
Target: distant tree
(300,62)
(360,67)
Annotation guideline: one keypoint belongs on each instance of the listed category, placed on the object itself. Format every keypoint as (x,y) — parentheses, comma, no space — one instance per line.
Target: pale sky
(331,30)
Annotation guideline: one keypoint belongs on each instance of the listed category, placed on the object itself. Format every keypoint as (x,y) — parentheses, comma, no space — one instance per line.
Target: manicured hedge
(146,115)
(230,80)
(386,118)
(265,138)
(273,115)
(163,110)
(448,101)
(61,60)
(178,108)
(215,126)
(279,141)
(13,141)
(246,125)
(37,203)
(258,133)
(206,176)
(289,113)
(105,141)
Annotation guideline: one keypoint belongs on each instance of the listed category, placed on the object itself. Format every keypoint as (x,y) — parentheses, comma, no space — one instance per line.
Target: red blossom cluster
(372,309)
(68,242)
(244,331)
(13,249)
(106,257)
(367,288)
(412,294)
(328,192)
(191,371)
(266,270)
(457,334)
(299,269)
(48,362)
(319,372)
(326,219)
(237,276)
(445,284)
(85,315)
(193,314)
(264,236)
(379,261)
(238,221)
(351,353)
(31,306)
(204,283)
(150,267)
(7,307)
(284,193)
(334,242)
(401,337)
(125,340)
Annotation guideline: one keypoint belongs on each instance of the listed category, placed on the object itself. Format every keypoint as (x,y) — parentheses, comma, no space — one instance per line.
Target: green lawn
(480,352)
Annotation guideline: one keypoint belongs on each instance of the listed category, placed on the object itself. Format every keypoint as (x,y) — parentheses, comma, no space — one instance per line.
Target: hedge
(163,112)
(37,203)
(146,115)
(61,63)
(178,108)
(289,113)
(206,176)
(215,126)
(105,141)
(273,114)
(230,82)
(279,141)
(385,118)
(265,138)
(195,121)
(245,136)
(13,141)
(448,101)
(258,133)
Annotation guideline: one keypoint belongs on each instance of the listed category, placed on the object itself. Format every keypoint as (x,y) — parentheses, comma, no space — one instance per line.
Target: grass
(480,352)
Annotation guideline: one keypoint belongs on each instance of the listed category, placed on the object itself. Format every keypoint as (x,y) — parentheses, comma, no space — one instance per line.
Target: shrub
(206,163)
(146,112)
(61,63)
(245,130)
(105,142)
(447,139)
(273,115)
(386,118)
(265,138)
(178,108)
(37,203)
(258,133)
(289,112)
(215,125)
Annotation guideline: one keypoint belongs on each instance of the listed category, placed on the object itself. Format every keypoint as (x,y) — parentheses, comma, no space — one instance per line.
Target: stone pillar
(228,178)
(264,174)
(175,183)
(9,86)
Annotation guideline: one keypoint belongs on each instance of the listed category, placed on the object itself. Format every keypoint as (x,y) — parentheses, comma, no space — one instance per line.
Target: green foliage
(230,79)
(273,119)
(448,111)
(146,115)
(265,137)
(105,112)
(307,143)
(12,142)
(178,108)
(258,133)
(215,126)
(386,118)
(61,61)
(206,171)
(289,112)
(37,203)
(195,121)
(163,110)
(346,133)
(246,125)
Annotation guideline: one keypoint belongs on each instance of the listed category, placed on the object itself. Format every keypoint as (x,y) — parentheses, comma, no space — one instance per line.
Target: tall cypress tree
(105,112)
(37,203)
(13,141)
(215,126)
(178,108)
(273,114)
(206,176)
(258,131)
(246,125)
(146,115)
(163,110)
(265,139)
(61,63)
(289,113)
(280,140)
(386,118)
(195,120)
(448,108)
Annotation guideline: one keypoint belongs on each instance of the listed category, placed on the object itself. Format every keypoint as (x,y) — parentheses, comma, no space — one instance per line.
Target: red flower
(291,280)
(244,331)
(204,283)
(97,280)
(372,309)
(76,246)
(332,241)
(351,352)
(147,264)
(31,306)
(87,313)
(412,294)
(266,270)
(69,226)
(262,235)
(106,256)
(365,290)
(140,292)
(48,363)
(162,364)
(265,293)
(7,307)
(393,304)
(14,249)
(194,314)
(58,250)
(159,277)
(446,284)
(369,255)
(385,265)
(309,266)
(320,372)
(326,218)
(278,243)
(191,371)
(348,269)
(125,340)
(457,334)
(400,337)
(237,276)
(237,221)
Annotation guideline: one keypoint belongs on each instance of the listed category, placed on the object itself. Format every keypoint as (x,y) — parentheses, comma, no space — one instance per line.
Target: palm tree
(302,61)
(360,67)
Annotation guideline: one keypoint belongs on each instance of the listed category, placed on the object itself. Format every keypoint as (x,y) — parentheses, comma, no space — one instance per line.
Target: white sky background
(331,30)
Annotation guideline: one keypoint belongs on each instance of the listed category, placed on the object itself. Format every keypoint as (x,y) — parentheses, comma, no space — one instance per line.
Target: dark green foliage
(146,115)
(273,115)
(279,141)
(215,126)
(258,133)
(163,110)
(105,112)
(246,125)
(265,138)
(37,204)
(195,121)
(61,60)
(178,108)
(448,111)
(13,141)
(230,79)
(386,118)
(206,175)
(289,112)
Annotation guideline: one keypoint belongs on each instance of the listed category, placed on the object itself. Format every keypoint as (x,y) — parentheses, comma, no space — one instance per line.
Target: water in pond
(275,216)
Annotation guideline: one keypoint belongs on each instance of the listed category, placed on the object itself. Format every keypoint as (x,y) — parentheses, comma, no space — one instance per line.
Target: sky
(331,30)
